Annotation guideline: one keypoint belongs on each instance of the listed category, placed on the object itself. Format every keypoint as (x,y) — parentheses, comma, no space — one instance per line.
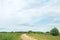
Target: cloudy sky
(24,15)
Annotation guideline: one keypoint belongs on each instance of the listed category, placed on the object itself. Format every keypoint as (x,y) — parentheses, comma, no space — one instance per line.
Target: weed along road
(26,37)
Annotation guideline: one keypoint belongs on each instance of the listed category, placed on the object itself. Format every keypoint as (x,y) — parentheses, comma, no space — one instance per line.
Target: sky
(25,15)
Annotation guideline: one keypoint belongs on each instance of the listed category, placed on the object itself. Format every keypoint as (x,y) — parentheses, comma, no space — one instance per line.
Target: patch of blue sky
(44,21)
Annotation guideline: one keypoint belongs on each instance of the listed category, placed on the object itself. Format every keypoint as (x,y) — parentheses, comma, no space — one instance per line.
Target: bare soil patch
(26,37)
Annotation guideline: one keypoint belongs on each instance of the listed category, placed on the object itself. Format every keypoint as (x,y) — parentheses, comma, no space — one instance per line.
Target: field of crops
(10,36)
(16,36)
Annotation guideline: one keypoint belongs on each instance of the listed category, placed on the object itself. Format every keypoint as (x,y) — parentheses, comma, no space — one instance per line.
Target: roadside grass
(44,36)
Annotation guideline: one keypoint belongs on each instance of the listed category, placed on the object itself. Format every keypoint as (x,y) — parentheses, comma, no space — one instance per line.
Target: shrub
(54,32)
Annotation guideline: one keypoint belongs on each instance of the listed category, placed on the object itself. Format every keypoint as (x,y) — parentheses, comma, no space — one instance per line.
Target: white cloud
(23,12)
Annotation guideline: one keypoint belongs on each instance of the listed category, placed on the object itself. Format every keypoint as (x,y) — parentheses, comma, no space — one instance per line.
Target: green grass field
(16,36)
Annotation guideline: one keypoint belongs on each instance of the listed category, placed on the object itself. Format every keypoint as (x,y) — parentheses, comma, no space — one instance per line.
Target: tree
(54,32)
(30,31)
(47,32)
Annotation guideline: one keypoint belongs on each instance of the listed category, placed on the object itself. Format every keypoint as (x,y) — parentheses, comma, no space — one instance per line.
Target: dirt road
(26,37)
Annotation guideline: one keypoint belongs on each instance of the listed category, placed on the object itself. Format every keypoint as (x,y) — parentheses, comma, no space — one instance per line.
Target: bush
(54,32)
